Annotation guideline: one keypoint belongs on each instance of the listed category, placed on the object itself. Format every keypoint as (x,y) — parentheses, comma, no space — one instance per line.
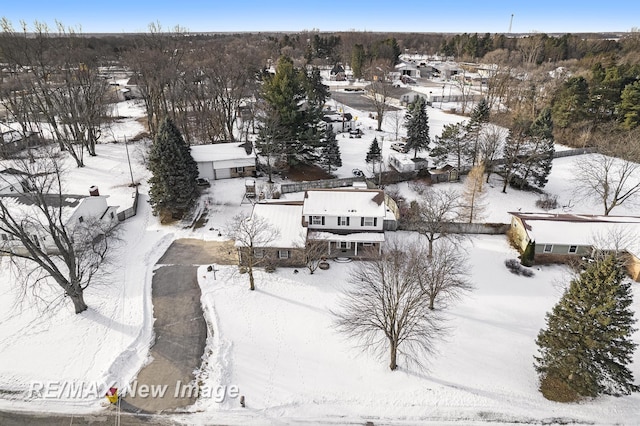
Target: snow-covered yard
(279,347)
(277,344)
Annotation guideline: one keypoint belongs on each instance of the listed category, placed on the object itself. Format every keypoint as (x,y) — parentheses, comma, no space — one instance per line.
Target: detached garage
(223,160)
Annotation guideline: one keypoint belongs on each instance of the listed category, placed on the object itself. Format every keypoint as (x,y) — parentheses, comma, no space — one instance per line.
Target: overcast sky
(493,16)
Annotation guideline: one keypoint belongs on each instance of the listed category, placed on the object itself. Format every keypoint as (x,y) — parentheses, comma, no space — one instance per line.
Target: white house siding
(355,224)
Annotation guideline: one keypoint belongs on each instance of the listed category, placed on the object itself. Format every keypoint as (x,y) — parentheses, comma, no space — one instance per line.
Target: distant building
(559,238)
(224,160)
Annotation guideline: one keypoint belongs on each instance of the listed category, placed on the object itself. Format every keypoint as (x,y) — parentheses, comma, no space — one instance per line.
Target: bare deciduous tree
(314,253)
(491,141)
(252,234)
(35,227)
(434,212)
(63,90)
(608,180)
(386,310)
(379,91)
(443,276)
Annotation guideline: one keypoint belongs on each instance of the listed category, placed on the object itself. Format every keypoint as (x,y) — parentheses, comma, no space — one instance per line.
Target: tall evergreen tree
(173,187)
(571,103)
(479,116)
(586,346)
(417,123)
(286,93)
(331,151)
(630,105)
(543,147)
(374,154)
(451,144)
(358,57)
(528,152)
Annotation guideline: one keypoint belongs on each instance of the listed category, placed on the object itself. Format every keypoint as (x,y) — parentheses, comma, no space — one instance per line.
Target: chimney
(93,191)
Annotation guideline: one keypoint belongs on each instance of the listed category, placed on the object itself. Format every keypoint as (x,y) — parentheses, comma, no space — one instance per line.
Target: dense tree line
(202,81)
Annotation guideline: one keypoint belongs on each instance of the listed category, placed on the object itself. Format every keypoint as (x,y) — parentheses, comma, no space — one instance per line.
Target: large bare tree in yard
(35,228)
(252,234)
(434,212)
(386,310)
(379,91)
(608,180)
(442,276)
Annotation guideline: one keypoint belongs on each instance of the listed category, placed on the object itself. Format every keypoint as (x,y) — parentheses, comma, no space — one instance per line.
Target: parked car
(202,182)
(355,133)
(357,173)
(400,147)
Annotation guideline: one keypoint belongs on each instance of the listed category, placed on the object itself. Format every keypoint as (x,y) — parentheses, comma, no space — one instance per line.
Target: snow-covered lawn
(277,344)
(279,347)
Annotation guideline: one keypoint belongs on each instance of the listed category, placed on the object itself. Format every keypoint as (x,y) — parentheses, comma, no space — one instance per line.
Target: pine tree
(285,93)
(630,105)
(586,347)
(450,145)
(331,151)
(417,123)
(528,152)
(543,147)
(173,187)
(571,102)
(479,117)
(374,154)
(358,57)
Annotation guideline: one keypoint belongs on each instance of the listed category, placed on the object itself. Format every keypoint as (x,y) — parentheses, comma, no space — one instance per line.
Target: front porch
(356,245)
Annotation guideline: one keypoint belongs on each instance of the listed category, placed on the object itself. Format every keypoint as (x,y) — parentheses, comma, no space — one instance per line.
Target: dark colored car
(202,182)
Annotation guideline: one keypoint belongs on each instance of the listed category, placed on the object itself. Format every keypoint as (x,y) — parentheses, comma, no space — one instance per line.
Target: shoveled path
(180,328)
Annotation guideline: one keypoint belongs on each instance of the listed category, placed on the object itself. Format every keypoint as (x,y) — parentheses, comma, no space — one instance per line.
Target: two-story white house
(351,221)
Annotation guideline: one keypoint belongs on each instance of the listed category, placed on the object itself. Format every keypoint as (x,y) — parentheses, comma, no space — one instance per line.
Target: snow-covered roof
(344,202)
(287,220)
(356,237)
(231,154)
(603,232)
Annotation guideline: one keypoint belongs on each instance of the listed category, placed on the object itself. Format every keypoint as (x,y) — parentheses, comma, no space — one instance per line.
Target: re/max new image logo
(67,390)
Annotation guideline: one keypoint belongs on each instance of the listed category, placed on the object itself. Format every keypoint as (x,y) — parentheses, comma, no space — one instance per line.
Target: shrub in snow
(547,202)
(515,267)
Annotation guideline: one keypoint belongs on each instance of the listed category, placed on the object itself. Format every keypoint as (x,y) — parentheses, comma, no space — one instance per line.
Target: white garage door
(223,173)
(205,170)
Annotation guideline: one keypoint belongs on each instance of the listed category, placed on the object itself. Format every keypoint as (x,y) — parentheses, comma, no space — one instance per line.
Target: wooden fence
(326,183)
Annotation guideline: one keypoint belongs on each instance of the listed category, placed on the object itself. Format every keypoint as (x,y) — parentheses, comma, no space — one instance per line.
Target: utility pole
(126,147)
(510,23)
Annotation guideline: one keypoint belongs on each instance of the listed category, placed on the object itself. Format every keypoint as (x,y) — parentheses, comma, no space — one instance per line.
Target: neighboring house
(559,238)
(408,69)
(351,222)
(287,249)
(12,181)
(340,122)
(76,209)
(337,73)
(12,141)
(224,160)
